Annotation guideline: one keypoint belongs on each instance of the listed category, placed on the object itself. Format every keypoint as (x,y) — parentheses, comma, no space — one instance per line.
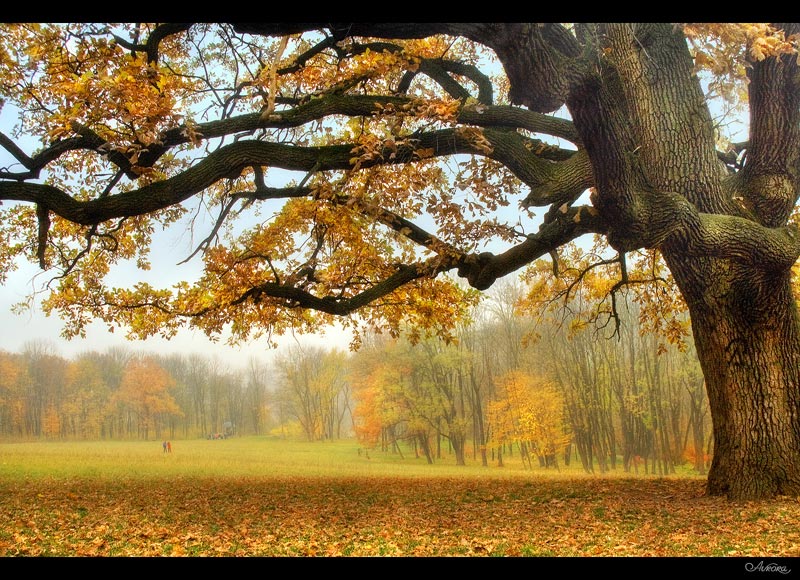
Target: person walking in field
(169,447)
(164,445)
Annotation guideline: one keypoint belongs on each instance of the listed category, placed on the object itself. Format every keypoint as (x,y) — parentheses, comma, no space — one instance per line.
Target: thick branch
(312,110)
(517,118)
(87,139)
(482,270)
(540,61)
(355,106)
(435,70)
(538,58)
(154,40)
(663,217)
(299,298)
(43,217)
(485,88)
(747,242)
(771,174)
(15,151)
(226,162)
(529,160)
(565,181)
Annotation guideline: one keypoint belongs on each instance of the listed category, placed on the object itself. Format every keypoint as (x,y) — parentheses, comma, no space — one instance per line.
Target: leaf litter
(389,517)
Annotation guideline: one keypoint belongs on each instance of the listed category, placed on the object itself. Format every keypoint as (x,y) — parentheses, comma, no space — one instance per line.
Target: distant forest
(553,391)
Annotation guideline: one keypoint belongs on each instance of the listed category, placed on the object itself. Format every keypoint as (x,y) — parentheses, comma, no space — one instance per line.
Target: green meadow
(252,457)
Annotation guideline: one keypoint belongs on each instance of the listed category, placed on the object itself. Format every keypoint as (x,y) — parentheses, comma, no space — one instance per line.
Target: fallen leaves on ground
(388,517)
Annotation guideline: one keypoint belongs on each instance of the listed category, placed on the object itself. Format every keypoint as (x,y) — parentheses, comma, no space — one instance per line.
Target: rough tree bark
(743,313)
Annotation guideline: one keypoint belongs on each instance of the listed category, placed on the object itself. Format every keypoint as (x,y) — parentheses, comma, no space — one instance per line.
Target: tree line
(515,384)
(508,383)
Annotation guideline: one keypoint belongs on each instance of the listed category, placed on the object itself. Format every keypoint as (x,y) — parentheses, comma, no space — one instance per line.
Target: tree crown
(414,151)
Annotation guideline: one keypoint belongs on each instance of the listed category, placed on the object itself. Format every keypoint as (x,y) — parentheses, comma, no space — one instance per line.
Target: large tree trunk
(659,184)
(749,348)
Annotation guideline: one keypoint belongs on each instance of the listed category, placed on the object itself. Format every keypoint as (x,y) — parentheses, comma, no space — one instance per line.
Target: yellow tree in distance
(528,412)
(144,395)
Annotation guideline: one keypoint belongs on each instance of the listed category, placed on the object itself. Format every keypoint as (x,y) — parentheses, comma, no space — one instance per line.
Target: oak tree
(408,139)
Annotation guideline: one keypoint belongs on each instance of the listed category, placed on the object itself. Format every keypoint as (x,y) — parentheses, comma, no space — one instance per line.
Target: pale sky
(34,326)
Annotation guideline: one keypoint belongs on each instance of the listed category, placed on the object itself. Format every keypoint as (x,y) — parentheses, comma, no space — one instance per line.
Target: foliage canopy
(407,159)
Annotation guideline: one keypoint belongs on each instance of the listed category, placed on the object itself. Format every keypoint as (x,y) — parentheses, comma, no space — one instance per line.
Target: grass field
(261,497)
(254,456)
